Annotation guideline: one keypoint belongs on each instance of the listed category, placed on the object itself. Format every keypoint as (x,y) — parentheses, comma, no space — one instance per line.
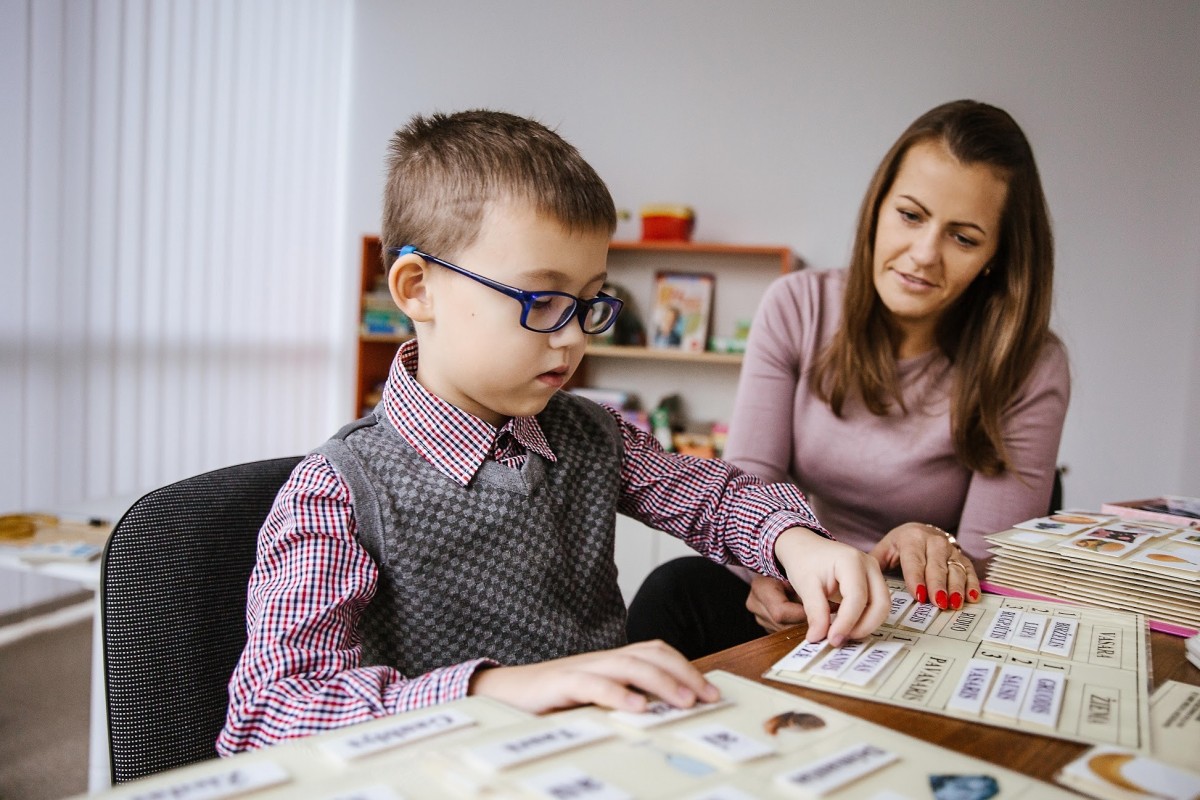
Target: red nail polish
(922,593)
(956,600)
(974,595)
(940,598)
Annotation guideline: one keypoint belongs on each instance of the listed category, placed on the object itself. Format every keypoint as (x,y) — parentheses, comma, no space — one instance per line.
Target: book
(681,311)
(1171,509)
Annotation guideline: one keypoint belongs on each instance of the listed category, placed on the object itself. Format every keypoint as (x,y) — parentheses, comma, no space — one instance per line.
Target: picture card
(1186,559)
(1106,542)
(1060,524)
(1141,528)
(1187,537)
(1102,770)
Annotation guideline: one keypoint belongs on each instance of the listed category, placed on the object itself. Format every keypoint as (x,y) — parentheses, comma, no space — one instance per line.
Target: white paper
(872,663)
(974,686)
(538,744)
(833,772)
(568,783)
(1043,699)
(229,782)
(404,731)
(1008,691)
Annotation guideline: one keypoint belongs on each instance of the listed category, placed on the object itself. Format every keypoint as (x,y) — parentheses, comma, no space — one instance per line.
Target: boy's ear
(408,282)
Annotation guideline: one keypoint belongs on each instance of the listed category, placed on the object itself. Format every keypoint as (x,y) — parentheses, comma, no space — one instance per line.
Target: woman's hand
(773,603)
(935,569)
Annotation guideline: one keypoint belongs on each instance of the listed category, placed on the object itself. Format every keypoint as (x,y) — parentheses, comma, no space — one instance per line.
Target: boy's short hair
(444,170)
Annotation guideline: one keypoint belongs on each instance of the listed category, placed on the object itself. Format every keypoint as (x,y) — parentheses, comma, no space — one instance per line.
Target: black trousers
(695,606)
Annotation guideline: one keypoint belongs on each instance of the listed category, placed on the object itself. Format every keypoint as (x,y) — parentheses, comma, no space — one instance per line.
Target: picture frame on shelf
(681,311)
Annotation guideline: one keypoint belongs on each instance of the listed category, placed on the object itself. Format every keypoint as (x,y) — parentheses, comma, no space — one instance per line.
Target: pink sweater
(864,474)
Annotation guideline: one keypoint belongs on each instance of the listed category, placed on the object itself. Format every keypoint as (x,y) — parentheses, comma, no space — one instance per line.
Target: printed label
(377,792)
(803,655)
(725,742)
(568,783)
(871,663)
(722,792)
(834,664)
(530,746)
(926,678)
(1060,637)
(900,603)
(228,782)
(1029,632)
(1043,701)
(1100,713)
(403,731)
(921,616)
(824,776)
(973,687)
(1003,626)
(1008,691)
(660,712)
(1106,646)
(961,624)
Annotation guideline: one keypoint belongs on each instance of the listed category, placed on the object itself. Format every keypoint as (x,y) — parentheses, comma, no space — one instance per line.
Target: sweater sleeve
(1033,426)
(760,430)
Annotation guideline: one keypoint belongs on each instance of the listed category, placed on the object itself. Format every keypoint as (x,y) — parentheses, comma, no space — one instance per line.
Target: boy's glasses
(542,312)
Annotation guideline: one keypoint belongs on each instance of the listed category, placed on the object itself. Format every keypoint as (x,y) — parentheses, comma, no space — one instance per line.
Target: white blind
(169,225)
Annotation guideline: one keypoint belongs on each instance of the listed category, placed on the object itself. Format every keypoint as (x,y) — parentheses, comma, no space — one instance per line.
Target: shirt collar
(454,442)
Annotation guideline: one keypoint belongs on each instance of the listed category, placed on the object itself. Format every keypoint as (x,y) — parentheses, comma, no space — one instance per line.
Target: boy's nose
(569,334)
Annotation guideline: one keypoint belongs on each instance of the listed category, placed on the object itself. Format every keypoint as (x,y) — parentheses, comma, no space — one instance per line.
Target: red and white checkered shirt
(300,672)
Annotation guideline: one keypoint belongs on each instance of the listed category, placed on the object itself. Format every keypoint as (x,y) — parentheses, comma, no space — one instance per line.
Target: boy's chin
(529,408)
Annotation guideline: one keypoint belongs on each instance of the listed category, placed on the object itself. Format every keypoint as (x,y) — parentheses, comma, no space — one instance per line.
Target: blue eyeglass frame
(526,299)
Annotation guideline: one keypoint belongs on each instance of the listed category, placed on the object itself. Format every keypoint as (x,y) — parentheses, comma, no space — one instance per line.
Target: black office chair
(173,612)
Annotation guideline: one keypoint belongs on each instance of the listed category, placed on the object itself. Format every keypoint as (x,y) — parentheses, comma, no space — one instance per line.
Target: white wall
(170,229)
(768,118)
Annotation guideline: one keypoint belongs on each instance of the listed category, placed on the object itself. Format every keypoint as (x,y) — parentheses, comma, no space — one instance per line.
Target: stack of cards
(1102,560)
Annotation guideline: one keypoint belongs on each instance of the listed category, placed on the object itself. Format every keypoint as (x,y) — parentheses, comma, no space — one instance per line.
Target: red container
(667,223)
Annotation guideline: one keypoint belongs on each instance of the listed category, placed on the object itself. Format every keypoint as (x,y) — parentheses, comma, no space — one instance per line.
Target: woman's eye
(908,216)
(965,241)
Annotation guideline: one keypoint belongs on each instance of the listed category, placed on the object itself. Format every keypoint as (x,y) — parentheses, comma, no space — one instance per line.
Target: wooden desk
(1037,756)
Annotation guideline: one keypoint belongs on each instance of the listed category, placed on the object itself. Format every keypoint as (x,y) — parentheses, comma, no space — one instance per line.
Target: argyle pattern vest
(517,566)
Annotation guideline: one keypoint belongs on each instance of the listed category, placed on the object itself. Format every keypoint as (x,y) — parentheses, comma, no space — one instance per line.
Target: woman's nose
(924,249)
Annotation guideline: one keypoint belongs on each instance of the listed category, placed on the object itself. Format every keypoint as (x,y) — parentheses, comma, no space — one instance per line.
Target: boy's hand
(821,570)
(619,679)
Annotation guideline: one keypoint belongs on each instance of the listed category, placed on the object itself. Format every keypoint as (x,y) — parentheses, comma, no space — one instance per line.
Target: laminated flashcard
(1059,524)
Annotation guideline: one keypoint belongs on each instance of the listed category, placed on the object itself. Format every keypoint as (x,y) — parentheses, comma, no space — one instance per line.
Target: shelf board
(700,247)
(661,354)
(391,338)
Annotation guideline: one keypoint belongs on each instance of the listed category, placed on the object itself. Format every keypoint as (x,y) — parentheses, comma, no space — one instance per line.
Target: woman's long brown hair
(995,331)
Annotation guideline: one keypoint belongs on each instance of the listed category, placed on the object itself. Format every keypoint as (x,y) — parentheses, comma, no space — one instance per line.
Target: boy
(460,539)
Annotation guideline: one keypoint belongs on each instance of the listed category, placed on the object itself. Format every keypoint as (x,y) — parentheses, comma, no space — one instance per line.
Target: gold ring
(949,537)
(958,564)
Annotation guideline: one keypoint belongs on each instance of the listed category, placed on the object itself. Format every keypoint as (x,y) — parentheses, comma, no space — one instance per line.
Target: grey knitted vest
(517,566)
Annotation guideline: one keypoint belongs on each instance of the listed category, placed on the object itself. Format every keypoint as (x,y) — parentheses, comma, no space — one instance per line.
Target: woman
(917,392)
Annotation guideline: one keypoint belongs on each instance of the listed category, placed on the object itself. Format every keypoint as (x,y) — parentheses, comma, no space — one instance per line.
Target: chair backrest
(173,612)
